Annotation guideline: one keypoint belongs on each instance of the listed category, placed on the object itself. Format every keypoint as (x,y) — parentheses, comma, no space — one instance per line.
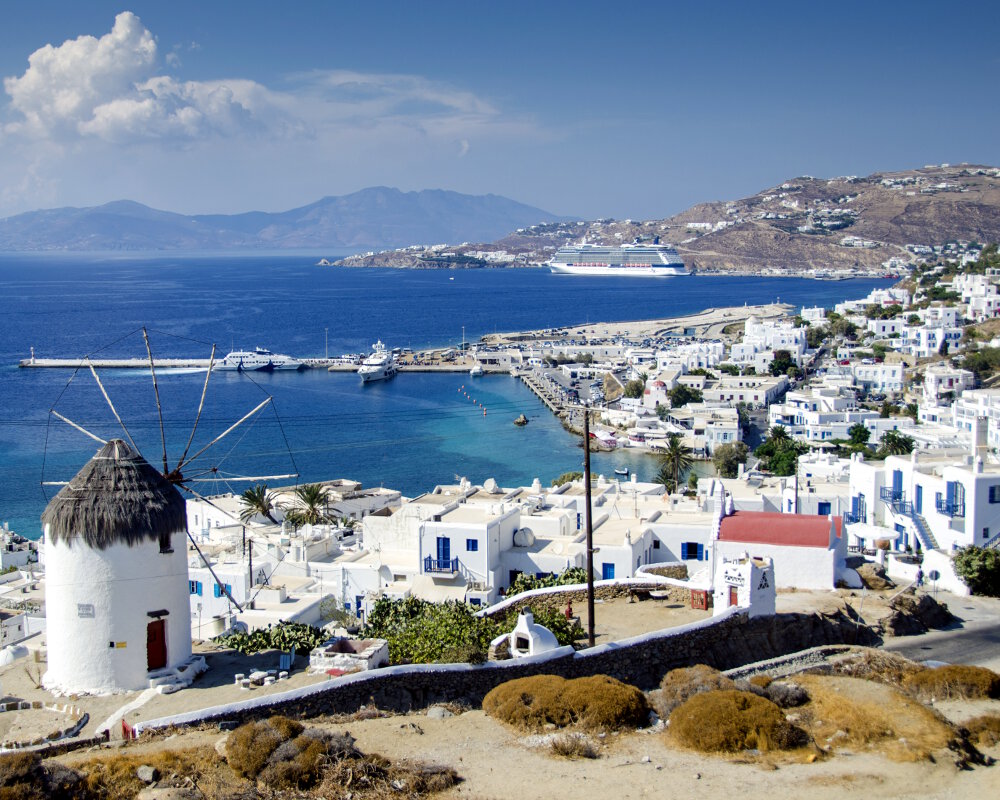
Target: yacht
(635,260)
(476,371)
(256,360)
(379,366)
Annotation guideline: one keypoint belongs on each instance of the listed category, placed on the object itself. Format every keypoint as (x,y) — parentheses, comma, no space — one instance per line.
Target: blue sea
(409,433)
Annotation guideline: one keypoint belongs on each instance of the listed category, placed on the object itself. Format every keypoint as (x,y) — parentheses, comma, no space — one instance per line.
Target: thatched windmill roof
(117,498)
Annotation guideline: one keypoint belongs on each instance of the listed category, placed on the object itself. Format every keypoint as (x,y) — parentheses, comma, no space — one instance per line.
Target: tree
(979,567)
(635,388)
(729,369)
(693,481)
(886,409)
(779,453)
(843,327)
(816,336)
(677,456)
(895,443)
(567,477)
(257,500)
(309,505)
(859,434)
(728,457)
(913,319)
(665,477)
(681,395)
(879,350)
(781,362)
(943,349)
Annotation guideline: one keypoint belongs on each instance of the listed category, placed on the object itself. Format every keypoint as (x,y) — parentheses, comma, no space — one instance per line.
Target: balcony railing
(904,507)
(449,565)
(850,518)
(889,494)
(951,508)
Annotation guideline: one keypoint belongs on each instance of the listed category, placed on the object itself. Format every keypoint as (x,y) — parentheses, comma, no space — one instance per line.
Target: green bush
(283,636)
(420,632)
(979,567)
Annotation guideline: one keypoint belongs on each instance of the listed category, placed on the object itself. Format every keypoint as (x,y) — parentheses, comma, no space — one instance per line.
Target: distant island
(827,228)
(379,217)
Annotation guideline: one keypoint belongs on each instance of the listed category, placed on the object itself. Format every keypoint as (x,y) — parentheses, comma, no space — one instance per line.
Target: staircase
(923,530)
(993,543)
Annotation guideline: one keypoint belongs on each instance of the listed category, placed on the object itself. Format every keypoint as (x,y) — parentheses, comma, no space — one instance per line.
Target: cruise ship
(379,366)
(256,360)
(640,260)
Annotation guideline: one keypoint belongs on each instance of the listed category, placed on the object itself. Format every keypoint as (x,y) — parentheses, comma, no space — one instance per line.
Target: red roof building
(788,530)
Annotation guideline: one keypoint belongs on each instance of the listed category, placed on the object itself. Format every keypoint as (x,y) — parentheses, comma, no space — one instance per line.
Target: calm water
(409,433)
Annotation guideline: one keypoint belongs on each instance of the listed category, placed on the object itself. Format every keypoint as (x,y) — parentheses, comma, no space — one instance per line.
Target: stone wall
(557,599)
(723,642)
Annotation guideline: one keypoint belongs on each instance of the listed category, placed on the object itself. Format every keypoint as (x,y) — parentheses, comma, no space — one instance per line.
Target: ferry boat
(379,366)
(257,360)
(639,260)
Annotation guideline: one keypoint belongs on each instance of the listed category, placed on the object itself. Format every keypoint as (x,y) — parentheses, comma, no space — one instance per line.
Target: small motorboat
(623,471)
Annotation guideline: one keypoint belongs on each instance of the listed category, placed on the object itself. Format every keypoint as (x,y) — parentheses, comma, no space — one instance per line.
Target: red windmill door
(156,645)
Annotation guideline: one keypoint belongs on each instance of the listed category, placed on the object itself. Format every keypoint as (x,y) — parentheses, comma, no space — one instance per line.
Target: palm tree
(677,457)
(310,505)
(777,433)
(665,478)
(895,443)
(257,500)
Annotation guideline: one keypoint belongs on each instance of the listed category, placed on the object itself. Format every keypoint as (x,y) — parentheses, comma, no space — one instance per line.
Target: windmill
(189,468)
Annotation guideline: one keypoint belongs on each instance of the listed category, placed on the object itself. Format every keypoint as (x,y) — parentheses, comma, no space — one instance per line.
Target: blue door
(897,483)
(607,571)
(918,499)
(443,549)
(823,509)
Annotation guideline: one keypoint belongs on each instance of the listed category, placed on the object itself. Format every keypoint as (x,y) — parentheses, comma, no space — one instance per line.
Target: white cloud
(81,102)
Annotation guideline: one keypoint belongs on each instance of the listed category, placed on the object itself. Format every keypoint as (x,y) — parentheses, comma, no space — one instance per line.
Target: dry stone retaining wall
(724,642)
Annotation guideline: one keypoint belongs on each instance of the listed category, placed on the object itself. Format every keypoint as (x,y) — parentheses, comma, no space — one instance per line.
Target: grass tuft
(679,685)
(729,721)
(984,730)
(574,745)
(954,681)
(595,702)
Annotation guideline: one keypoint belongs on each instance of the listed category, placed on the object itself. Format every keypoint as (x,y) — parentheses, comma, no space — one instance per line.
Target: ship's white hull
(638,271)
(370,374)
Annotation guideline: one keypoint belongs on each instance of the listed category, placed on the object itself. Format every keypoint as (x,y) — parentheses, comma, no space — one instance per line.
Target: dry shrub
(20,777)
(761,681)
(954,681)
(574,745)
(375,777)
(115,776)
(786,695)
(281,753)
(679,685)
(849,712)
(876,665)
(984,730)
(728,721)
(597,702)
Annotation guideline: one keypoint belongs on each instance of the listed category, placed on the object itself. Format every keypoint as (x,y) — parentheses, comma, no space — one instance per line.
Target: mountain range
(374,218)
(802,225)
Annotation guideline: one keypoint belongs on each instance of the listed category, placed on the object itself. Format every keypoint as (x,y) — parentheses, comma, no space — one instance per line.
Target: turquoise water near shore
(408,433)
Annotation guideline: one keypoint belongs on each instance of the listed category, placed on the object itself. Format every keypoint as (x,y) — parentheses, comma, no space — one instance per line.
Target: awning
(439,589)
(862,530)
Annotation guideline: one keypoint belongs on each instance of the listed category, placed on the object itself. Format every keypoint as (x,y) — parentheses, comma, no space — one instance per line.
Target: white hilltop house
(932,501)
(116,594)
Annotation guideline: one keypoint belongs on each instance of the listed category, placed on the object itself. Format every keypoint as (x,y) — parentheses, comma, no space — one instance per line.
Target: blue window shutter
(684,551)
(701,552)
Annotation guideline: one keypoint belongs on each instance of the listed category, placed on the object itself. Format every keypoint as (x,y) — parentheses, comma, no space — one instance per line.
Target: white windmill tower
(117,602)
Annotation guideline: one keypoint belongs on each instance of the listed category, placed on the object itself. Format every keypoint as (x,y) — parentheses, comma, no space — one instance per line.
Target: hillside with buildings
(805,225)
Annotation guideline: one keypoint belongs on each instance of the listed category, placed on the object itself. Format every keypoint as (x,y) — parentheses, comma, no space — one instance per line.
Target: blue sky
(593,109)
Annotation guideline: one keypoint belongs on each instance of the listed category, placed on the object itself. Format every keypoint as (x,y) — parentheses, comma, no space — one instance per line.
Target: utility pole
(326,333)
(590,529)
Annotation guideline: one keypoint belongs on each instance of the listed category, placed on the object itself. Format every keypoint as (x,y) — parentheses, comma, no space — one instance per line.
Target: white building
(117,613)
(879,376)
(756,391)
(762,338)
(941,381)
(824,414)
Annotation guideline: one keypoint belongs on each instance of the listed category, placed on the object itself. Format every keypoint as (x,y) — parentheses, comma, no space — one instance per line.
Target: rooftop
(789,530)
